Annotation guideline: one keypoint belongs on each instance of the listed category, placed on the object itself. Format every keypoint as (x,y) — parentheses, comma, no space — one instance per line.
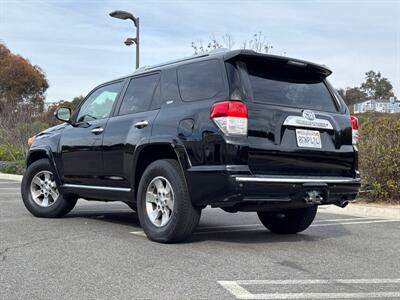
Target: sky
(79,46)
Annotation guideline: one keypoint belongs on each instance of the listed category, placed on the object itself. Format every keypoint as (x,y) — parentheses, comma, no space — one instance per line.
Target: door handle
(141,124)
(97,130)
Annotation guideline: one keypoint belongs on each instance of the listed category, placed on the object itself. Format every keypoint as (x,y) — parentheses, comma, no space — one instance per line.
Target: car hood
(52,130)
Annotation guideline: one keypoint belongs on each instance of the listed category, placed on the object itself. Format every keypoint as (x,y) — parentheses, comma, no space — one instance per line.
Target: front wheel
(40,192)
(288,221)
(165,210)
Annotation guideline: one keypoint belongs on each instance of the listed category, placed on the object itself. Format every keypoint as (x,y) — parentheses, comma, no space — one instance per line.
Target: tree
(352,95)
(376,86)
(17,124)
(342,93)
(257,43)
(20,81)
(48,116)
(22,93)
(76,101)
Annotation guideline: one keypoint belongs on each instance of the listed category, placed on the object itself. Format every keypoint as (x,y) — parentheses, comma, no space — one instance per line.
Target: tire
(183,216)
(55,208)
(288,221)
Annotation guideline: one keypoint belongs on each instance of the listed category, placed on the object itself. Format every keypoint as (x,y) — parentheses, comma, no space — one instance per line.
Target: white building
(387,106)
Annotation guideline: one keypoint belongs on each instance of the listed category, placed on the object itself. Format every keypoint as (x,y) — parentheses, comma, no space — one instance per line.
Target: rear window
(200,80)
(282,84)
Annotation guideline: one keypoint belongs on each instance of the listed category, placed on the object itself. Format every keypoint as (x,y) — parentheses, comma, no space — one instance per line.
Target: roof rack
(177,61)
(143,68)
(199,55)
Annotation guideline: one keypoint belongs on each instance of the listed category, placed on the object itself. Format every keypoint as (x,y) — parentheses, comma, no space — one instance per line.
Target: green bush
(14,167)
(10,153)
(379,149)
(13,140)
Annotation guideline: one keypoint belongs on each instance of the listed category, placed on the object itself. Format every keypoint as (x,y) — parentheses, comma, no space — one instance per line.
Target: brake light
(354,122)
(354,127)
(230,116)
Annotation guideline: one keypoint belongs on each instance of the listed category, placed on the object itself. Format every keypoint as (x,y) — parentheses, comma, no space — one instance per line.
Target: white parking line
(260,225)
(101,211)
(313,225)
(229,226)
(9,194)
(140,233)
(319,281)
(235,288)
(10,201)
(239,228)
(354,223)
(343,219)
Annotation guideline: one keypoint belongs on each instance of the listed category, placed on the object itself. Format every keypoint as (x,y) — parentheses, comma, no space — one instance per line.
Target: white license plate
(308,138)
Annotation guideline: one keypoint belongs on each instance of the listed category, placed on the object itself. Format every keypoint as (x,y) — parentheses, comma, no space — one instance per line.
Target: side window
(169,85)
(200,80)
(156,103)
(139,94)
(100,103)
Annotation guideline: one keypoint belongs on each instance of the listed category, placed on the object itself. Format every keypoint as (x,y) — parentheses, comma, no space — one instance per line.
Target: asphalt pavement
(98,251)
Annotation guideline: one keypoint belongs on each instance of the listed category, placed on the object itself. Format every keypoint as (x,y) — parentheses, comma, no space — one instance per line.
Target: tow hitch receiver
(314,197)
(316,193)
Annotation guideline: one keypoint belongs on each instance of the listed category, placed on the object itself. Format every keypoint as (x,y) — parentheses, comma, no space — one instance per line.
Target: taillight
(354,127)
(354,122)
(230,116)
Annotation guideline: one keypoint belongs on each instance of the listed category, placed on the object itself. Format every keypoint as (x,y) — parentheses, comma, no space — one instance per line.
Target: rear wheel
(165,210)
(288,221)
(40,193)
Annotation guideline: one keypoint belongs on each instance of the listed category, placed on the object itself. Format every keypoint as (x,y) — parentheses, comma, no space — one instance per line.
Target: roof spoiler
(322,70)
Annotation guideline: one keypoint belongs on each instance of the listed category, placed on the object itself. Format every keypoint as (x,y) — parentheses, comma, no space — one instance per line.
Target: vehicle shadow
(262,235)
(128,218)
(235,234)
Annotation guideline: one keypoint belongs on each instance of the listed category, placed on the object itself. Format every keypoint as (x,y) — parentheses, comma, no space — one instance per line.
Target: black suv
(238,130)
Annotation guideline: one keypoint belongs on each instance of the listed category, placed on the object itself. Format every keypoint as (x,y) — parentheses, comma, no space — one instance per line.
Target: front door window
(100,103)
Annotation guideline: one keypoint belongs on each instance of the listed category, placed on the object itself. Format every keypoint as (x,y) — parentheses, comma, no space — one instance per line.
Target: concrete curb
(10,177)
(364,210)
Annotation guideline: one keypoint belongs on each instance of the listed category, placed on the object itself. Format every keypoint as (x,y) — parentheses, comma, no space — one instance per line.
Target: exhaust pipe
(342,204)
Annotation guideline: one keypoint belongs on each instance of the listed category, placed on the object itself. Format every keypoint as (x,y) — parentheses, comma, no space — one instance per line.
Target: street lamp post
(124,15)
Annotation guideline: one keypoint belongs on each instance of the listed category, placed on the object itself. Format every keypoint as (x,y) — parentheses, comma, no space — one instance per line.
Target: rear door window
(169,85)
(200,80)
(140,94)
(288,86)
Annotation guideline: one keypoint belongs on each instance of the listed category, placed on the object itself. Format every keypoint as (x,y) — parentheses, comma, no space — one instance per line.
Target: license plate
(308,138)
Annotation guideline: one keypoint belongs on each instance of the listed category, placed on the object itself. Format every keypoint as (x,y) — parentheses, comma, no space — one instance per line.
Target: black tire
(61,206)
(184,217)
(288,221)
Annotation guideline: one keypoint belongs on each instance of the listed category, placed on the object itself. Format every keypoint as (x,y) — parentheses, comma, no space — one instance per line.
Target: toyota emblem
(308,114)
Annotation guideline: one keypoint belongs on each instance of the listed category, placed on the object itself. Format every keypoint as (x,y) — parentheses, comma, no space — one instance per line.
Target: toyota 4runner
(238,130)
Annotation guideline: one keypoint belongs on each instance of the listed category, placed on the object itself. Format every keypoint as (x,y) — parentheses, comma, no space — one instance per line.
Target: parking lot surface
(98,251)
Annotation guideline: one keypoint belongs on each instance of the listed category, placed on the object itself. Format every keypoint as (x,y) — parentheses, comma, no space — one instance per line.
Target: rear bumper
(297,179)
(237,189)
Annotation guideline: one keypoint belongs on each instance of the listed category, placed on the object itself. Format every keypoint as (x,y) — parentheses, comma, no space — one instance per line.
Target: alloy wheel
(44,190)
(159,201)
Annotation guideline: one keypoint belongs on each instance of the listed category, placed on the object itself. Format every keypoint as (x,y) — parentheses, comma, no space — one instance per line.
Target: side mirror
(63,114)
